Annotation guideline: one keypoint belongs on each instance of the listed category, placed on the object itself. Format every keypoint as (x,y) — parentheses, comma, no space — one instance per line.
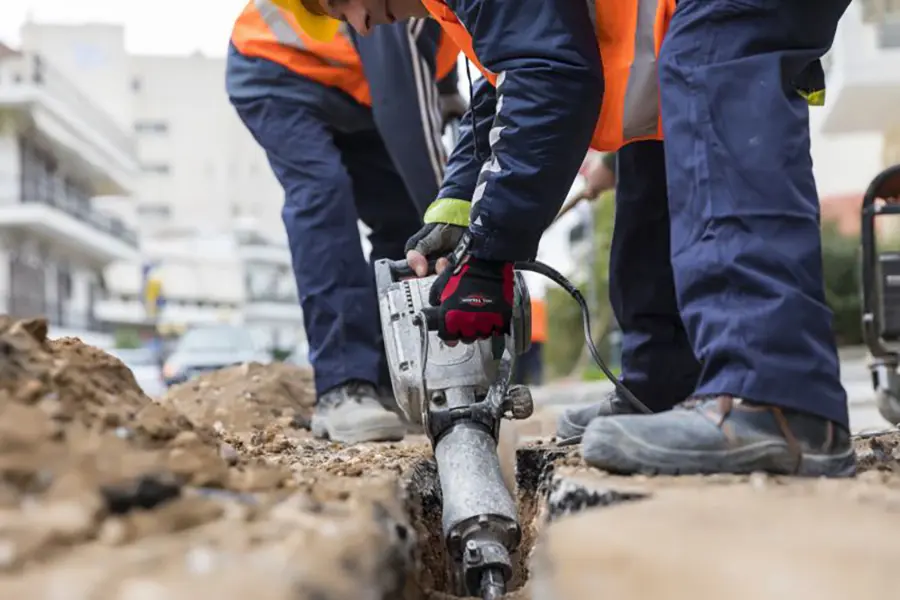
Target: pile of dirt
(216,489)
(264,411)
(80,444)
(219,490)
(247,397)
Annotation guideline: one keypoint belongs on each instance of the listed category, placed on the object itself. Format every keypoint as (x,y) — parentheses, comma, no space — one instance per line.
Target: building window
(154,210)
(156,168)
(150,126)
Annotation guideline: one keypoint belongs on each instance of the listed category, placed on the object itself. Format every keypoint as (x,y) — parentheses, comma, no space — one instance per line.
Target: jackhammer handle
(432,317)
(401,268)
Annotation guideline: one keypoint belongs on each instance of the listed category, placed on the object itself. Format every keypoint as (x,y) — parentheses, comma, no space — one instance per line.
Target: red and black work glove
(474,296)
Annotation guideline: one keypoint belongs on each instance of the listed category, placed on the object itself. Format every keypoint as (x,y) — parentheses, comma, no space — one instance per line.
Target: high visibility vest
(538,320)
(264,30)
(629,36)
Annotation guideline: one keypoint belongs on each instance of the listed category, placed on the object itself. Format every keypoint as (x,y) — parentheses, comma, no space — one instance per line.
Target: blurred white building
(857,132)
(854,136)
(202,196)
(58,149)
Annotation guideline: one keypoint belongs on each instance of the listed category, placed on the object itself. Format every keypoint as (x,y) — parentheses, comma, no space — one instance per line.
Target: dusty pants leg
(658,364)
(746,247)
(336,286)
(383,204)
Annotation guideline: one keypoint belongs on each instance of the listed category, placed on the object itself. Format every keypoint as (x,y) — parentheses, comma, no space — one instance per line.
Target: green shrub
(841,259)
(565,352)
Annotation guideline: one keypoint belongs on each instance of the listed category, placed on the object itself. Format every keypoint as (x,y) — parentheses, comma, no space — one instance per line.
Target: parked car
(209,348)
(144,364)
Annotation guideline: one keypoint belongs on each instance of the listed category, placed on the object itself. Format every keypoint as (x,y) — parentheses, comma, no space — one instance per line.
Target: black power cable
(560,280)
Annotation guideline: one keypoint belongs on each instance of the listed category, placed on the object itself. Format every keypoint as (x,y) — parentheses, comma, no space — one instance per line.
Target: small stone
(228,453)
(758,480)
(113,532)
(870,476)
(8,554)
(144,589)
(123,433)
(200,561)
(185,438)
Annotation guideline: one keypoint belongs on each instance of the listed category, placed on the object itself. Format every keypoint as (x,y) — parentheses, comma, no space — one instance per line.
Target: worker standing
(352,130)
(720,78)
(658,363)
(530,365)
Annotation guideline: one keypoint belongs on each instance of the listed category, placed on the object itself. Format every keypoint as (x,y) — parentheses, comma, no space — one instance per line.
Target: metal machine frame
(881,198)
(460,394)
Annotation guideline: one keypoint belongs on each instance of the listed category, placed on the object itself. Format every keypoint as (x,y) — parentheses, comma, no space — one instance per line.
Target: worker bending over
(352,130)
(719,78)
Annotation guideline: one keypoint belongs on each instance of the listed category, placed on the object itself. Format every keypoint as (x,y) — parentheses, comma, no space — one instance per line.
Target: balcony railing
(21,70)
(82,212)
(59,314)
(273,297)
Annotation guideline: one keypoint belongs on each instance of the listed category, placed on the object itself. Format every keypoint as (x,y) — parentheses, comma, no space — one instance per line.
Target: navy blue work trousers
(330,180)
(717,276)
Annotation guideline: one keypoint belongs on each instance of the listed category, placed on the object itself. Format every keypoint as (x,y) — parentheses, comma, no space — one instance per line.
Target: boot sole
(392,431)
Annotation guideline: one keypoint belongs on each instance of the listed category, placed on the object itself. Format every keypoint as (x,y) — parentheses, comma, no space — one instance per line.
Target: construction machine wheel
(881,294)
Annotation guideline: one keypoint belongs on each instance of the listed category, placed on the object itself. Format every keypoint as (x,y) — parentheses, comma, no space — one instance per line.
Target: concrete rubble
(218,490)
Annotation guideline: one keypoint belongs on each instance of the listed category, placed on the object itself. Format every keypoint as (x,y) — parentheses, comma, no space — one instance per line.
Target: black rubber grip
(401,268)
(432,317)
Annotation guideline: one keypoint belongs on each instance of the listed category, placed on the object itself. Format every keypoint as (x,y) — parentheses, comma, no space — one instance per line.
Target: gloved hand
(445,222)
(474,296)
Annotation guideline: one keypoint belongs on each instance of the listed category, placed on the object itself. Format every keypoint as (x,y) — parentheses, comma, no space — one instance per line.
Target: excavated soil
(218,490)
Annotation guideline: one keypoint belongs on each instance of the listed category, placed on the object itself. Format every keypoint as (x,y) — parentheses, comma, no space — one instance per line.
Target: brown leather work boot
(720,435)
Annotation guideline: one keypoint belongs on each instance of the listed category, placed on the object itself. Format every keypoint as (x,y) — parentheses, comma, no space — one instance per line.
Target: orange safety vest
(264,30)
(538,320)
(624,28)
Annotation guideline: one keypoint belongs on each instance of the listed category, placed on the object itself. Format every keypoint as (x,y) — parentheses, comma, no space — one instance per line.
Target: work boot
(351,413)
(720,435)
(389,401)
(571,423)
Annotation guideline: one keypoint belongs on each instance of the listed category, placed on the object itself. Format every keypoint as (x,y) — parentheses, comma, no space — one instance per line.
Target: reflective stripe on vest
(641,106)
(282,30)
(265,31)
(629,34)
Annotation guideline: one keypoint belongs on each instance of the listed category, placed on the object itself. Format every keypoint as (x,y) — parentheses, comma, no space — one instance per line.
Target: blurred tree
(565,351)
(841,258)
(127,338)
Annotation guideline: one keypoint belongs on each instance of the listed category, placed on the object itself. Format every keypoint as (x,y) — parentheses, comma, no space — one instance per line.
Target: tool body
(460,394)
(880,290)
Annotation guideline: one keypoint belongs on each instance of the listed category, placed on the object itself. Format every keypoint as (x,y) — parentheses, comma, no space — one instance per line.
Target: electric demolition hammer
(460,394)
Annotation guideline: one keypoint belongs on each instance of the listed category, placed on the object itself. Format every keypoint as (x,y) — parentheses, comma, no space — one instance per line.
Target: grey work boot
(571,423)
(351,413)
(720,435)
(389,401)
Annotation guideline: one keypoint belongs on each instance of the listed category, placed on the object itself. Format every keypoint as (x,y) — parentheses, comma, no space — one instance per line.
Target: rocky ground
(217,490)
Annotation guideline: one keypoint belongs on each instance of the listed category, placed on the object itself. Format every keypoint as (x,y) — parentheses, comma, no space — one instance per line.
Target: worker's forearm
(549,90)
(472,148)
